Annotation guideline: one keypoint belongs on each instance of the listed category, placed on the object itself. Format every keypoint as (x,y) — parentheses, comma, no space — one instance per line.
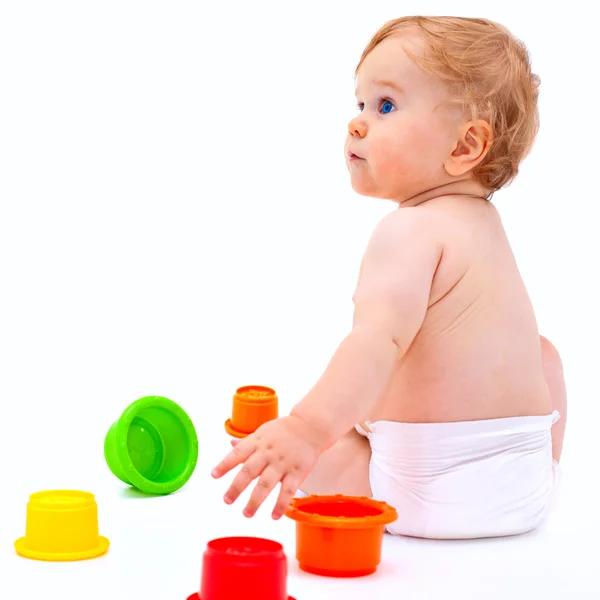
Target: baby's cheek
(418,140)
(393,161)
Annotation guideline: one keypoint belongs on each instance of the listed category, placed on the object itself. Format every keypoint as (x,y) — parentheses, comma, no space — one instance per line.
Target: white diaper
(469,479)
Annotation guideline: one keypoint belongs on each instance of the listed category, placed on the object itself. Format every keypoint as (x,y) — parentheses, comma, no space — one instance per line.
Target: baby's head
(442,100)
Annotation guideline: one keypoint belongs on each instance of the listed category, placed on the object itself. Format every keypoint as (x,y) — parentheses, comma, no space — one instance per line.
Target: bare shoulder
(413,231)
(398,268)
(407,219)
(426,249)
(403,253)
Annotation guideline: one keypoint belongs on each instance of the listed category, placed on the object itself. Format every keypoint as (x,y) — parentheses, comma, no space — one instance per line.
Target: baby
(443,400)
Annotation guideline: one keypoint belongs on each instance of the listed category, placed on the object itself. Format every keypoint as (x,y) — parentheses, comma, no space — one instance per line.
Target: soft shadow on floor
(132,492)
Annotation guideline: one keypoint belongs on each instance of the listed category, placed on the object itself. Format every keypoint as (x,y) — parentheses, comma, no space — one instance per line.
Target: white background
(176,220)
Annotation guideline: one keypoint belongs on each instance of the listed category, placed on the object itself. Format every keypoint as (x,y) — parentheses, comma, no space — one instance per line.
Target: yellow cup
(62,525)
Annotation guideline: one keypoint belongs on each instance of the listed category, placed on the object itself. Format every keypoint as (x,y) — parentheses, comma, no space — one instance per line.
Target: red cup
(247,568)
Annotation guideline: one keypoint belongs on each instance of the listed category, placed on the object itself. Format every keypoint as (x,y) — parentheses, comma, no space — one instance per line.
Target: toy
(62,525)
(243,567)
(253,405)
(152,446)
(339,536)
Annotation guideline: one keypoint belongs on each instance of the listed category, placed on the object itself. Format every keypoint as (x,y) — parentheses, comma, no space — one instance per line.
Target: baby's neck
(467,187)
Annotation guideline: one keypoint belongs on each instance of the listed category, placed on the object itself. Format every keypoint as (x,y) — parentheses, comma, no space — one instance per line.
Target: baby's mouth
(352,156)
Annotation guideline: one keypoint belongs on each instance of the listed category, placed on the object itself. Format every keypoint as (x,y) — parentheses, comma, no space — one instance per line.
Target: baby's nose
(357,127)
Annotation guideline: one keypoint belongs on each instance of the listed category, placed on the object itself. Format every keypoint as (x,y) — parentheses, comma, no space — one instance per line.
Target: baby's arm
(391,300)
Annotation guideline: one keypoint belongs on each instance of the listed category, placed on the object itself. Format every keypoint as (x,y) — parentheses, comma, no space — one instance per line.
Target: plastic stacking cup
(243,568)
(62,525)
(153,446)
(253,405)
(339,536)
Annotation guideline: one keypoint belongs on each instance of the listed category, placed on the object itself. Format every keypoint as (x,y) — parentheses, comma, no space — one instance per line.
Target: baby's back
(477,354)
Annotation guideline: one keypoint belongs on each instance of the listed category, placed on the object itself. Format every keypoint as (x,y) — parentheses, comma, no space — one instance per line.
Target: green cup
(153,446)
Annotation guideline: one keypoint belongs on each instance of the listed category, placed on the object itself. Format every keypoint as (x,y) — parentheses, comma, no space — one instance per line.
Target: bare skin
(414,393)
(443,327)
(477,352)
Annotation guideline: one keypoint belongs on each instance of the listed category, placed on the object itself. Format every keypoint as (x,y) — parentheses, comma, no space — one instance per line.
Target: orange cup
(253,405)
(339,536)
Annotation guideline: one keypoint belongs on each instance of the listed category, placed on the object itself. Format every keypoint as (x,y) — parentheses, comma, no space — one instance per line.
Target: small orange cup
(253,405)
(339,536)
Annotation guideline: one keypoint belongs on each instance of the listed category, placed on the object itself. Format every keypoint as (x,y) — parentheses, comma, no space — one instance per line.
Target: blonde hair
(488,72)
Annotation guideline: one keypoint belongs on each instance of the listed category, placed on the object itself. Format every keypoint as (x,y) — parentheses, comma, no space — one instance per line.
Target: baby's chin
(370,189)
(362,184)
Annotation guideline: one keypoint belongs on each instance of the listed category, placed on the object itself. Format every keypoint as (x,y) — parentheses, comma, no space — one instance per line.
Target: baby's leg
(553,372)
(343,469)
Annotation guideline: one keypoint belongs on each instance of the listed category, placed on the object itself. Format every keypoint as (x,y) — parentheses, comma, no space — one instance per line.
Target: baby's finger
(238,455)
(289,487)
(252,468)
(268,480)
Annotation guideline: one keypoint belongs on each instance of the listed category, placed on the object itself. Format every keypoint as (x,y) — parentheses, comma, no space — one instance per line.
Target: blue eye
(386,107)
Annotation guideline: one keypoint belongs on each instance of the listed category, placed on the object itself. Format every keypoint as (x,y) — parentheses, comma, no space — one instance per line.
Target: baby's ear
(473,143)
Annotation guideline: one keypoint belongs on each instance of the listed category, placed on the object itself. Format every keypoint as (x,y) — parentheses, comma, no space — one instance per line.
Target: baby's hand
(280,451)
